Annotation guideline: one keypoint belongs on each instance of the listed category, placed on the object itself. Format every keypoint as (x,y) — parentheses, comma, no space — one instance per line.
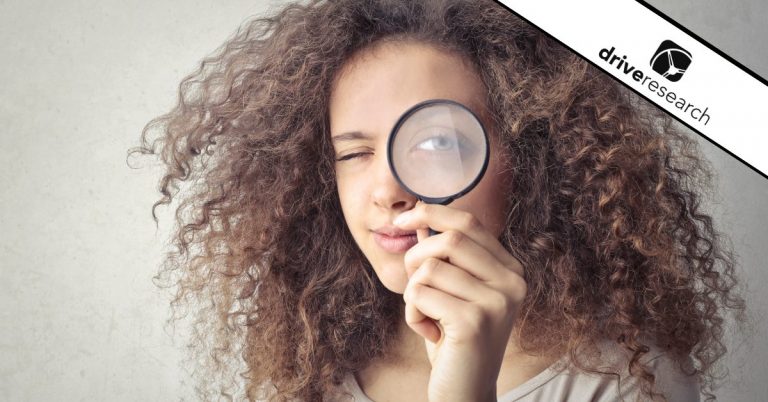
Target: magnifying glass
(438,151)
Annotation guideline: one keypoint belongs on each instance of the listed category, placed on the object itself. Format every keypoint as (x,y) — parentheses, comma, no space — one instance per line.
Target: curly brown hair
(605,203)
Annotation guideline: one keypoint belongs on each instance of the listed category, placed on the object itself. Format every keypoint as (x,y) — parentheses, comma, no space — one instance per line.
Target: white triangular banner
(661,62)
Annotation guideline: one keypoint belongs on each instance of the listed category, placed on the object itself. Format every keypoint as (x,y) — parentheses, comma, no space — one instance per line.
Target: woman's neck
(408,361)
(410,348)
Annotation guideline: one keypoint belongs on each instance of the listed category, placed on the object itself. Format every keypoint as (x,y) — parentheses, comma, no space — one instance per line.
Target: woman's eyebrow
(350,136)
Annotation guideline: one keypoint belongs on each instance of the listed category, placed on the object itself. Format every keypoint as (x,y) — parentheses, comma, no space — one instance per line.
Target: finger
(456,282)
(411,313)
(449,279)
(442,218)
(422,234)
(421,324)
(460,250)
(433,303)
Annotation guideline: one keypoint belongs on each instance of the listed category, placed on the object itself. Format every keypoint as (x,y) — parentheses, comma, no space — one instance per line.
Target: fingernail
(402,218)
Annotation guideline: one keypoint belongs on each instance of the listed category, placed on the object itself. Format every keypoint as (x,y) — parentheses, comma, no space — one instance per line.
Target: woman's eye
(438,143)
(352,156)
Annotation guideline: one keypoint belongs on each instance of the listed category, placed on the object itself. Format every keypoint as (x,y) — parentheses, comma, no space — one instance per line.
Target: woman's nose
(387,192)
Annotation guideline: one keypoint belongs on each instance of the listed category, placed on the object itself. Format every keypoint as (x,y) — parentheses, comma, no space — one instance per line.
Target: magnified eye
(438,143)
(439,140)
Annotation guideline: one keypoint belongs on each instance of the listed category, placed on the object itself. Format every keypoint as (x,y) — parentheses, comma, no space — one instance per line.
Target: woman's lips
(395,244)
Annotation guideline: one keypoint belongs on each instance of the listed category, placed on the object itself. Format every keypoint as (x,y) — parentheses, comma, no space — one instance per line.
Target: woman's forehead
(398,75)
(385,55)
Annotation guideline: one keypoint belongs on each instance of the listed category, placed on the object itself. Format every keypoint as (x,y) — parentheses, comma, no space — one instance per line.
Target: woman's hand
(463,294)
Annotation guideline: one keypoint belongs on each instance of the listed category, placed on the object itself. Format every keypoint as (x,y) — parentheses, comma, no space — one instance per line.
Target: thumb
(422,234)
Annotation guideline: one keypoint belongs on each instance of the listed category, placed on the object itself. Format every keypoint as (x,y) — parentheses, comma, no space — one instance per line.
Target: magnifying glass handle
(432,232)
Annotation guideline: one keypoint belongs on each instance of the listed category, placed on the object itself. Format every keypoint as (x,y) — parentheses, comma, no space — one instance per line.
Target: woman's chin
(393,277)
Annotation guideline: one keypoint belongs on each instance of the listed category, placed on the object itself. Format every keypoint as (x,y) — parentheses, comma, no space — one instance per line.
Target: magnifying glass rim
(390,143)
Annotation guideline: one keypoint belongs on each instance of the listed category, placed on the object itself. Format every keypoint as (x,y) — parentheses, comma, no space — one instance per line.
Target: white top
(561,382)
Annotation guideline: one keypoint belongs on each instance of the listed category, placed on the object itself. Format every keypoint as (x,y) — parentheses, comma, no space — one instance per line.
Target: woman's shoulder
(563,381)
(669,371)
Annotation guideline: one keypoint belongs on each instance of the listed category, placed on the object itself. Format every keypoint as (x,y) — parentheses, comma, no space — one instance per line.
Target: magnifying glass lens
(439,150)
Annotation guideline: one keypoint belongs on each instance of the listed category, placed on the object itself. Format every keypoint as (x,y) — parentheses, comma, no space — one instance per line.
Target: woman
(579,268)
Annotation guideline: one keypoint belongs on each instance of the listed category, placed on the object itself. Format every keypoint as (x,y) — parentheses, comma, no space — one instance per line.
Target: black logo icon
(671,60)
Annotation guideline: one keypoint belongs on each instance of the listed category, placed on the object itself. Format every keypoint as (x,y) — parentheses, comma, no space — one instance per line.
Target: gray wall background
(79,316)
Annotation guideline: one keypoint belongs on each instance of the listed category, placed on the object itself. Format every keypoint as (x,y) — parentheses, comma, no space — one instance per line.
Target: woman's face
(375,87)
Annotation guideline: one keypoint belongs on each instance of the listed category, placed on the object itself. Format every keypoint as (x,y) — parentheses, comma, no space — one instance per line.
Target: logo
(671,60)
